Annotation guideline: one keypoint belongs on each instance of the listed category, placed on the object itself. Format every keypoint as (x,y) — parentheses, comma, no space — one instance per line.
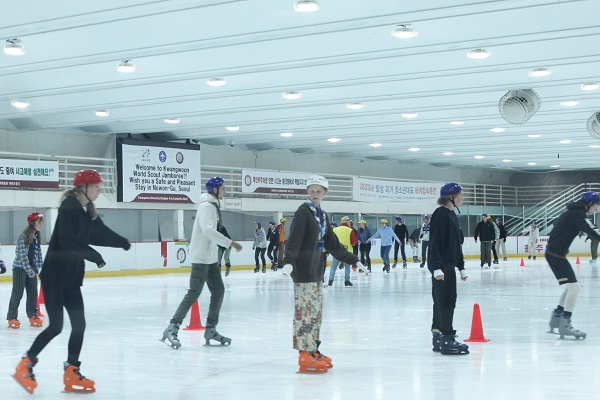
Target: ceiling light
(534,136)
(13,48)
(101,113)
(404,31)
(479,157)
(355,106)
(126,66)
(498,130)
(569,103)
(306,6)
(172,120)
(507,160)
(291,95)
(531,163)
(409,115)
(479,54)
(334,139)
(414,149)
(447,153)
(287,134)
(554,166)
(595,146)
(375,145)
(215,82)
(589,86)
(19,103)
(232,128)
(537,72)
(457,123)
(566,141)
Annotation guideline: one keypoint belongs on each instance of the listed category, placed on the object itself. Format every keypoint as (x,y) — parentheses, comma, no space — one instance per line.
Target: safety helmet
(317,180)
(398,218)
(213,183)
(484,216)
(87,176)
(534,222)
(333,223)
(590,197)
(383,221)
(282,220)
(489,217)
(450,188)
(426,217)
(345,219)
(34,216)
(272,223)
(499,219)
(362,221)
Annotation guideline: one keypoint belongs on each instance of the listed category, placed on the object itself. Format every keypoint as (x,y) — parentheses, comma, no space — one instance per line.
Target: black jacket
(445,238)
(402,232)
(485,231)
(502,231)
(566,227)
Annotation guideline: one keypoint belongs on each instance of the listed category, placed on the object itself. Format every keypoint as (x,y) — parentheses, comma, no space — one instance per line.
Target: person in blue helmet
(573,220)
(445,254)
(484,231)
(534,233)
(424,236)
(273,239)
(205,265)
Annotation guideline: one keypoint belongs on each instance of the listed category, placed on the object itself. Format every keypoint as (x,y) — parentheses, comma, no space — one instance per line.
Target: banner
(261,181)
(158,172)
(230,203)
(19,174)
(375,191)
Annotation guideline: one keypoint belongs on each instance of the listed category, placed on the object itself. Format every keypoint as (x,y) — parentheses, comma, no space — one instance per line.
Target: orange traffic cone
(577,262)
(195,321)
(476,327)
(522,262)
(40,301)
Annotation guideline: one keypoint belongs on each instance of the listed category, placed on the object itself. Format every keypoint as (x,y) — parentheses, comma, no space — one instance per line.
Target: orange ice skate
(323,357)
(14,324)
(75,382)
(35,321)
(309,362)
(24,375)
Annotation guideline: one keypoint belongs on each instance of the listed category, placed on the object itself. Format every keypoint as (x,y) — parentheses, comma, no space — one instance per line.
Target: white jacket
(533,233)
(205,237)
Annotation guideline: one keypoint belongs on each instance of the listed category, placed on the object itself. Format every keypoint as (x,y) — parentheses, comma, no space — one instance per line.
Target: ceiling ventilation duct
(517,106)
(593,125)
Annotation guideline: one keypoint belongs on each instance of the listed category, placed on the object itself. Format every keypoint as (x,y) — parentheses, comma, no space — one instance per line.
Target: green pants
(201,273)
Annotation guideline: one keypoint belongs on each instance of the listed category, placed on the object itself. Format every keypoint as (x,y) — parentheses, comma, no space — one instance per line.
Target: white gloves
(463,275)
(287,269)
(362,268)
(438,274)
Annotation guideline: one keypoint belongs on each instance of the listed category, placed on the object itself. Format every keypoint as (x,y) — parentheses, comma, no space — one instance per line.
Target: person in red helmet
(77,227)
(27,264)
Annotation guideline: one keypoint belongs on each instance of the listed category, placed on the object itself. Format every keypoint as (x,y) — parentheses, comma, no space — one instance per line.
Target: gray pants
(22,282)
(486,253)
(201,273)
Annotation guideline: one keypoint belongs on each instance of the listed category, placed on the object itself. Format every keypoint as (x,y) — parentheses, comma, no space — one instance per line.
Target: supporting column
(178,227)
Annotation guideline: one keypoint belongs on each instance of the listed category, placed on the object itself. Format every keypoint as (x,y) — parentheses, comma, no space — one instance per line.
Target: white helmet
(317,180)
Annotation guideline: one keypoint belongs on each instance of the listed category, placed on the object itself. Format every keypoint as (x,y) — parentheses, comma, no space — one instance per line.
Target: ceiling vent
(517,106)
(593,125)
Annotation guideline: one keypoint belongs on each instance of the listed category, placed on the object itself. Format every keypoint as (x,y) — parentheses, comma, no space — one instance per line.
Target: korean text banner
(260,181)
(158,172)
(374,191)
(21,174)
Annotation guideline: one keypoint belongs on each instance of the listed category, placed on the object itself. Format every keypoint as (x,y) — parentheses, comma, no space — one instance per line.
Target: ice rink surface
(377,332)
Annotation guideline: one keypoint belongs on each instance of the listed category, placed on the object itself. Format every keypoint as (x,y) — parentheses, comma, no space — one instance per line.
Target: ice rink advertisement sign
(261,181)
(374,191)
(230,203)
(28,174)
(158,172)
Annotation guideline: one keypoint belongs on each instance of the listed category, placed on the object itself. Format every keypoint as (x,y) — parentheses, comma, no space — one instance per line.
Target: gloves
(2,267)
(102,264)
(253,247)
(463,275)
(475,240)
(504,240)
(126,246)
(438,274)
(287,269)
(362,268)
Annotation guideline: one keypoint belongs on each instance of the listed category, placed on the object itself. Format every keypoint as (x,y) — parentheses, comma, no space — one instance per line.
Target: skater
(445,254)
(205,267)
(485,232)
(259,246)
(27,265)
(364,233)
(402,232)
(414,241)
(273,239)
(495,241)
(281,235)
(2,266)
(424,236)
(501,242)
(310,235)
(224,252)
(573,220)
(534,232)
(62,276)
(387,235)
(347,238)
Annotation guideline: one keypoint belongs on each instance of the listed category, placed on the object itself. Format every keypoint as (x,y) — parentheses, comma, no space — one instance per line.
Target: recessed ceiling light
(334,139)
(506,160)
(126,66)
(101,113)
(12,47)
(306,6)
(375,145)
(531,163)
(291,95)
(569,103)
(215,82)
(554,166)
(172,120)
(19,103)
(479,54)
(457,123)
(595,146)
(447,153)
(498,130)
(589,86)
(534,136)
(566,141)
(410,115)
(355,106)
(287,134)
(232,128)
(537,72)
(414,149)
(404,31)
(479,157)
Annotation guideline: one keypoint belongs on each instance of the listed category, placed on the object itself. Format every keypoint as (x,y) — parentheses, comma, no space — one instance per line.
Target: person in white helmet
(534,232)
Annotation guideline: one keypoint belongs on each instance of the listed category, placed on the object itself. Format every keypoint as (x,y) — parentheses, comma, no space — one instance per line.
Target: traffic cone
(522,262)
(577,262)
(40,301)
(195,321)
(476,327)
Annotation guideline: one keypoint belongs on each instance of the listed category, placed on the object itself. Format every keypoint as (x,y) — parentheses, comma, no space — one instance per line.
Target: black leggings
(272,251)
(365,256)
(398,246)
(259,251)
(72,301)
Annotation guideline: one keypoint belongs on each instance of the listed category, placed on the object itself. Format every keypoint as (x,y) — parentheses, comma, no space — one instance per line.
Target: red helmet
(34,216)
(89,176)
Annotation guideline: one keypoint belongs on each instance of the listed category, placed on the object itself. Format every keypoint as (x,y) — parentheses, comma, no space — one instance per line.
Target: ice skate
(227,269)
(394,264)
(264,270)
(14,324)
(422,264)
(369,268)
(566,329)
(529,257)
(404,265)
(256,270)
(386,268)
(450,347)
(171,335)
(211,334)
(35,321)
(348,283)
(435,342)
(593,261)
(534,257)
(505,258)
(415,259)
(323,357)
(330,283)
(554,322)
(310,363)
(24,374)
(75,382)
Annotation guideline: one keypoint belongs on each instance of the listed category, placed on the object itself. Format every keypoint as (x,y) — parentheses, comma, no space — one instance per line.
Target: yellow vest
(343,233)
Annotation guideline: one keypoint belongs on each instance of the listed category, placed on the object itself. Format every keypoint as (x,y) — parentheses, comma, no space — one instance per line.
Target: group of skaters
(492,238)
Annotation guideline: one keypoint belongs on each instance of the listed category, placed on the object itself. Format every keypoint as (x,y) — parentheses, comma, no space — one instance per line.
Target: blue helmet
(590,197)
(213,183)
(450,188)
(272,223)
(426,217)
(398,218)
(333,223)
(484,216)
(258,223)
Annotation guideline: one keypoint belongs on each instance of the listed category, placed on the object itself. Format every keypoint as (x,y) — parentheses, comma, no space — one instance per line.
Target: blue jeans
(385,254)
(334,267)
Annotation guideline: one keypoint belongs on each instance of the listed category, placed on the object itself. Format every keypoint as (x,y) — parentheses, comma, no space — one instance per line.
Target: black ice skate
(435,341)
(404,265)
(566,329)
(394,264)
(211,334)
(171,335)
(450,347)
